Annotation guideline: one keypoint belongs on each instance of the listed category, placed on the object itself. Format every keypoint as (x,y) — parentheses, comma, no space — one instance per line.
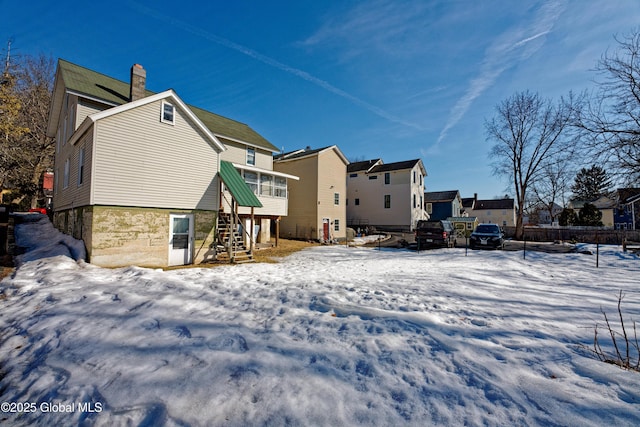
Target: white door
(180,239)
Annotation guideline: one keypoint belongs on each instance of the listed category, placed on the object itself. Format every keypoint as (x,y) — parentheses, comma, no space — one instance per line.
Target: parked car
(487,236)
(435,233)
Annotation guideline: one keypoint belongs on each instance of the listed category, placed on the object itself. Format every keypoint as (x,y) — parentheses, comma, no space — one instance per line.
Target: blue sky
(392,79)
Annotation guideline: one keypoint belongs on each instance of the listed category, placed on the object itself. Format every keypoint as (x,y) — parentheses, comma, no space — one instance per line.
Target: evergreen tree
(568,217)
(591,183)
(590,216)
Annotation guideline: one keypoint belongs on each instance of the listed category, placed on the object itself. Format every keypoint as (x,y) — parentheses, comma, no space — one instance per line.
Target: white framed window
(80,166)
(387,178)
(336,225)
(280,187)
(266,185)
(65,180)
(336,199)
(251,178)
(167,113)
(251,156)
(387,201)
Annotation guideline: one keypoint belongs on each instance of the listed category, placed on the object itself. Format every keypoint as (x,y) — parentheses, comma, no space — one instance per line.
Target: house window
(336,199)
(251,156)
(251,178)
(414,201)
(336,225)
(280,187)
(81,167)
(65,180)
(387,178)
(387,201)
(357,202)
(429,207)
(168,113)
(266,185)
(414,177)
(373,176)
(353,175)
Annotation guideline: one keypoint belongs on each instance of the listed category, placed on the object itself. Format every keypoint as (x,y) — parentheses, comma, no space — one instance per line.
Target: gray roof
(440,196)
(84,81)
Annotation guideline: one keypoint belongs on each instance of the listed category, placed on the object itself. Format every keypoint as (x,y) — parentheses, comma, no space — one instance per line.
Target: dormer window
(168,113)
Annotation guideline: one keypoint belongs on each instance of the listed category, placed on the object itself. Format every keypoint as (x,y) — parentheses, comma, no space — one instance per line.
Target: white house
(386,195)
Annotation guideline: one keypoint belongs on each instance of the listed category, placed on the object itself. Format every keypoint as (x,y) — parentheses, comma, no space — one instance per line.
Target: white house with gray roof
(387,196)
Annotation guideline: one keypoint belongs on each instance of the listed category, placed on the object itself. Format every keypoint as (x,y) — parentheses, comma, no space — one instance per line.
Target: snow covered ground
(329,336)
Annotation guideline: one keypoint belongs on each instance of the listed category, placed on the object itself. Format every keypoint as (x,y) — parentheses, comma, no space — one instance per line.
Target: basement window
(168,113)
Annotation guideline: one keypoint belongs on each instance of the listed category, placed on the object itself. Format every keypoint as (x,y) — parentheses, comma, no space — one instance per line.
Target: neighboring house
(442,204)
(604,204)
(627,211)
(138,174)
(385,195)
(317,202)
(541,214)
(494,211)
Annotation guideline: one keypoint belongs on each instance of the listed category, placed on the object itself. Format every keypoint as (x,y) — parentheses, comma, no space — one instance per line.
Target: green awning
(237,187)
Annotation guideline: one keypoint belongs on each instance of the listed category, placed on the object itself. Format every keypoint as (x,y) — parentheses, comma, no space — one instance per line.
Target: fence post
(524,247)
(597,251)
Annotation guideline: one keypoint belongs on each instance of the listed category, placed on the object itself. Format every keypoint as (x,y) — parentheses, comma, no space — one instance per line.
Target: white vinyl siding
(142,162)
(237,153)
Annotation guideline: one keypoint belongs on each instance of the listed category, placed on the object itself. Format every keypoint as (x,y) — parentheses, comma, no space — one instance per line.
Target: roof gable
(308,152)
(388,167)
(85,82)
(170,94)
(363,166)
(441,196)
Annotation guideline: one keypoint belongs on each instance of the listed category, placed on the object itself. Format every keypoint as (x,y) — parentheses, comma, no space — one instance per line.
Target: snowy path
(329,336)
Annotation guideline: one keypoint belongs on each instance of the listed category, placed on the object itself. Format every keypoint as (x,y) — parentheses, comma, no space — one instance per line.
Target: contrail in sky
(273,63)
(498,58)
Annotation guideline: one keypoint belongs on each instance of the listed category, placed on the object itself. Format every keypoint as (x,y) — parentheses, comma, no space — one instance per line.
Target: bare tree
(529,133)
(611,118)
(552,186)
(28,152)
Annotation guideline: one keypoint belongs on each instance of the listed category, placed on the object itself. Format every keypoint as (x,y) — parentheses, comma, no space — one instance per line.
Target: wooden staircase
(230,242)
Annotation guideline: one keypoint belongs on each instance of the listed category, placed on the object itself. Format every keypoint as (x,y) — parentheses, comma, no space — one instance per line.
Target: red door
(325,229)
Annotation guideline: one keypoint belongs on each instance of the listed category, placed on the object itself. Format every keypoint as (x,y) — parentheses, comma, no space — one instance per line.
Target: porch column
(251,230)
(277,230)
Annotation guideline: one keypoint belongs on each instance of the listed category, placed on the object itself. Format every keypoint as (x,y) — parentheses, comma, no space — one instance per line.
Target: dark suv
(487,236)
(435,233)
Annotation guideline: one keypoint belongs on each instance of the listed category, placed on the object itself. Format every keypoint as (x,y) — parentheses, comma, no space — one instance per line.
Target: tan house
(138,174)
(317,203)
(387,196)
(491,211)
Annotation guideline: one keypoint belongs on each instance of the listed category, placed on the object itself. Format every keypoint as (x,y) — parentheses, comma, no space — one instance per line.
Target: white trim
(265,171)
(91,98)
(249,144)
(163,104)
(168,94)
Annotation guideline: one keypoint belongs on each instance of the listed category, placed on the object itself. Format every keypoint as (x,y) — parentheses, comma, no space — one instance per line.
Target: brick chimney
(138,82)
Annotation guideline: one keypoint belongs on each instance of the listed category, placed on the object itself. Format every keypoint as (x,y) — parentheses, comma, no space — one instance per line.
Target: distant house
(540,214)
(385,195)
(626,215)
(494,211)
(317,202)
(138,175)
(604,204)
(442,204)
